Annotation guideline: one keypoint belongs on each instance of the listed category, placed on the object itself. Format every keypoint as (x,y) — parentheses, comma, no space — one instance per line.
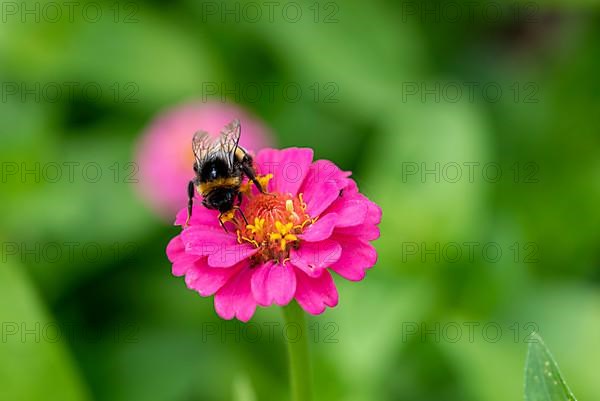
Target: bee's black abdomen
(221,199)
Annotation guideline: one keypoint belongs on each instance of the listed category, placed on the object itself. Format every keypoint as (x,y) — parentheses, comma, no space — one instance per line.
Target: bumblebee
(219,167)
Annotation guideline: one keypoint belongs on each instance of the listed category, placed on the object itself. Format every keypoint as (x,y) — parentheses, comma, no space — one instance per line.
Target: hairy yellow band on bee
(206,187)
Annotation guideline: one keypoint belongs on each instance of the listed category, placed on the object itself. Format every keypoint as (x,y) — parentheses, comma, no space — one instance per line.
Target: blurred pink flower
(312,221)
(164,153)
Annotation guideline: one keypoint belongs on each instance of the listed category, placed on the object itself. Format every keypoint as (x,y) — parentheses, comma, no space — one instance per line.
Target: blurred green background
(426,324)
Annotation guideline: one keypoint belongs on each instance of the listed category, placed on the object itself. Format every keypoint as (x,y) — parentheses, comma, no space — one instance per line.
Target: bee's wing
(202,145)
(229,139)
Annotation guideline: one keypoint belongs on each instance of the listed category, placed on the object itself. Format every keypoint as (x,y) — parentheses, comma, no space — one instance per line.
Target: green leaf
(34,361)
(543,380)
(242,389)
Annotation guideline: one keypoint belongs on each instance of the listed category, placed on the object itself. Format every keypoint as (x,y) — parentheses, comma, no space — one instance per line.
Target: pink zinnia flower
(312,221)
(165,157)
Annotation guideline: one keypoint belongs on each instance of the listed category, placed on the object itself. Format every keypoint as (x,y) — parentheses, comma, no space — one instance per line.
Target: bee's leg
(190,191)
(242,213)
(237,207)
(250,173)
(221,222)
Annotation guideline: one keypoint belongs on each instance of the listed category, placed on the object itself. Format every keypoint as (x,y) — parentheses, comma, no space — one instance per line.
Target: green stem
(298,353)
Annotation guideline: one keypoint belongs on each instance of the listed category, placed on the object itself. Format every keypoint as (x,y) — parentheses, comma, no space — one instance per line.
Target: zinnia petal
(368,214)
(235,298)
(181,260)
(349,212)
(314,257)
(367,232)
(273,283)
(200,216)
(175,249)
(315,294)
(357,256)
(288,166)
(222,248)
(322,185)
(208,280)
(321,229)
(231,255)
(374,213)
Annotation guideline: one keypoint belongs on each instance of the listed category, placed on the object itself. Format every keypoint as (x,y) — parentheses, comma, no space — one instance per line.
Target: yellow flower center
(274,222)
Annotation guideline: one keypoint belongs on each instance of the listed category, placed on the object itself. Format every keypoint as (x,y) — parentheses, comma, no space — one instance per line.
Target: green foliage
(370,51)
(35,364)
(543,380)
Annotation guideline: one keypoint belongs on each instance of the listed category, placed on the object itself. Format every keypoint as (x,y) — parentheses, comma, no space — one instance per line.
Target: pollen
(275,222)
(229,216)
(263,180)
(257,227)
(283,234)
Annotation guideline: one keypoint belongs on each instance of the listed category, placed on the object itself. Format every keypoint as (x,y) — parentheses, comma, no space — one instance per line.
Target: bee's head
(220,199)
